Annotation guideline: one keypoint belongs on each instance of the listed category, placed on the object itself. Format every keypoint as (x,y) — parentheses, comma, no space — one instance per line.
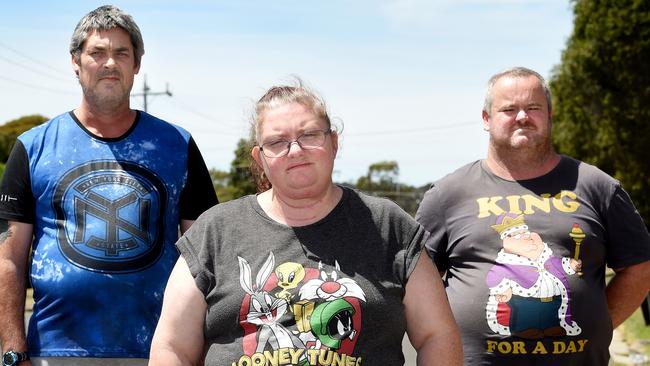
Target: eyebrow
(513,105)
(102,47)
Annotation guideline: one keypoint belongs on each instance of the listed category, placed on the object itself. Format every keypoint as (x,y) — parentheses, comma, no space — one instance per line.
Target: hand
(504,297)
(576,265)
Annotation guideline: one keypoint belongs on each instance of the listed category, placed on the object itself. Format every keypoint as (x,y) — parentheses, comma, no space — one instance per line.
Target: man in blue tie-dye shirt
(103,191)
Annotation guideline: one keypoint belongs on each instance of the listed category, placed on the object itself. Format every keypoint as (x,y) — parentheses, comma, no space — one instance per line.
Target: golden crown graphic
(508,223)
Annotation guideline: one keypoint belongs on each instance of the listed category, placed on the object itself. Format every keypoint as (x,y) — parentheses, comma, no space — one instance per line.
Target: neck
(521,164)
(299,211)
(109,122)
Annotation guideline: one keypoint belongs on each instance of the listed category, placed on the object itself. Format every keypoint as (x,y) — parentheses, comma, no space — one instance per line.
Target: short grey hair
(106,17)
(515,72)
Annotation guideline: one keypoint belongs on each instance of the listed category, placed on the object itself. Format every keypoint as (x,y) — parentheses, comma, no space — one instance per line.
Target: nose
(291,144)
(522,115)
(110,61)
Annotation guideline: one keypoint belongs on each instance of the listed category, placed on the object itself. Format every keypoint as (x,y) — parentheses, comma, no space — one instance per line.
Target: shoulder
(381,210)
(455,183)
(465,173)
(44,135)
(589,176)
(227,211)
(375,203)
(42,129)
(593,172)
(152,122)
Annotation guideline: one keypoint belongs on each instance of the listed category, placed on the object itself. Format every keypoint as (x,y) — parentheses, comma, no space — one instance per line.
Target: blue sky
(405,78)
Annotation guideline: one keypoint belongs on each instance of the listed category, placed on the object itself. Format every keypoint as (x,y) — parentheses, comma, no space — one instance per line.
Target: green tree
(2,170)
(382,180)
(602,93)
(10,131)
(381,176)
(221,184)
(241,178)
(238,181)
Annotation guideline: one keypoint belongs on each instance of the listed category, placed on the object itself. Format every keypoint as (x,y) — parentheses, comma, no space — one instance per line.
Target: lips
(298,165)
(110,76)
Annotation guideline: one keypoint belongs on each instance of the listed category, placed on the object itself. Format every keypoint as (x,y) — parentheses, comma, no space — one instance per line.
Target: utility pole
(147,92)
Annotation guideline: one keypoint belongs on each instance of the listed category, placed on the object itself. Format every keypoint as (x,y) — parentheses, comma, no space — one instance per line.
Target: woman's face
(300,173)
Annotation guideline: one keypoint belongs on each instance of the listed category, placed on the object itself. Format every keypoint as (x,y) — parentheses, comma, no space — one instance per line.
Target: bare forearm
(12,307)
(179,339)
(626,291)
(440,351)
(430,323)
(15,239)
(164,356)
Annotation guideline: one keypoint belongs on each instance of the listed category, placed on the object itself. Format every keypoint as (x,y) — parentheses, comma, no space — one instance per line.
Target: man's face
(523,243)
(106,68)
(519,117)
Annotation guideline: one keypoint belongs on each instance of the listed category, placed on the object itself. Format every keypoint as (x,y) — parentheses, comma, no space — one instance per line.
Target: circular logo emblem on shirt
(109,216)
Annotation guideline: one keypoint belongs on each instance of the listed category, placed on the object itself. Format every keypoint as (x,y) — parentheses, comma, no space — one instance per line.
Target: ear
(255,154)
(265,272)
(486,121)
(335,142)
(136,69)
(75,65)
(245,275)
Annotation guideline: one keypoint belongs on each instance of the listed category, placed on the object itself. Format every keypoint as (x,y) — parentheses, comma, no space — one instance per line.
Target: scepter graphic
(578,236)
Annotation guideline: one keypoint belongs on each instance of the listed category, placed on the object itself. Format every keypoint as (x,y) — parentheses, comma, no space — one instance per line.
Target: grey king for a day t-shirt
(525,260)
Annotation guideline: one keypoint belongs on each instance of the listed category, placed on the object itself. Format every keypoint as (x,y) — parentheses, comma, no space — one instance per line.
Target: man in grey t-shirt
(524,237)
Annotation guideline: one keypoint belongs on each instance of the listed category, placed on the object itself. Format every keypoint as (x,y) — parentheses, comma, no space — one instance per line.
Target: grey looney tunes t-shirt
(525,260)
(328,293)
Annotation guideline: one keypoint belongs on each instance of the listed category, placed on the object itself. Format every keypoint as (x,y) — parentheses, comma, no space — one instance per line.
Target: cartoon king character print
(310,314)
(529,295)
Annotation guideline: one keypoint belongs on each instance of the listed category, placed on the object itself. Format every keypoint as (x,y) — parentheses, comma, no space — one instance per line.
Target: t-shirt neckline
(339,206)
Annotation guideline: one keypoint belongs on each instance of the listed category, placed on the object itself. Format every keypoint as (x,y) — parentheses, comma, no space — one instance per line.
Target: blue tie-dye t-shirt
(106,220)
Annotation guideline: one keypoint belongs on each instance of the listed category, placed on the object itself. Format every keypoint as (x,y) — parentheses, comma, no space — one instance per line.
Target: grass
(637,332)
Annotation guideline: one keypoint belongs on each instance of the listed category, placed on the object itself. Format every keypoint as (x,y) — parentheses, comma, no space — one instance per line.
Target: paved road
(618,349)
(409,352)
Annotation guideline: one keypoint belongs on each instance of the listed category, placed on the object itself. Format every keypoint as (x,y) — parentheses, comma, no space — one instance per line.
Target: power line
(146,91)
(43,64)
(38,87)
(33,69)
(205,116)
(413,130)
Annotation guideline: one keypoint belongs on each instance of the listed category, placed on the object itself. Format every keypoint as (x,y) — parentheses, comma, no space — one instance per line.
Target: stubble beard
(106,101)
(533,152)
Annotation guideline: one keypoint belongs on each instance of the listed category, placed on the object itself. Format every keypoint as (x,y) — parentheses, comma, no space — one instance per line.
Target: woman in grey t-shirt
(306,272)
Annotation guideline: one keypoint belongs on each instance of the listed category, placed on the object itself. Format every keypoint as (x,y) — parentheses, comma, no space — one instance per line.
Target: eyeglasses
(307,141)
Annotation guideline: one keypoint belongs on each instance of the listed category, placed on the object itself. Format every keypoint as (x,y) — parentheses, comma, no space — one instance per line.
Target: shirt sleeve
(627,236)
(203,277)
(410,238)
(430,215)
(198,194)
(413,250)
(17,201)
